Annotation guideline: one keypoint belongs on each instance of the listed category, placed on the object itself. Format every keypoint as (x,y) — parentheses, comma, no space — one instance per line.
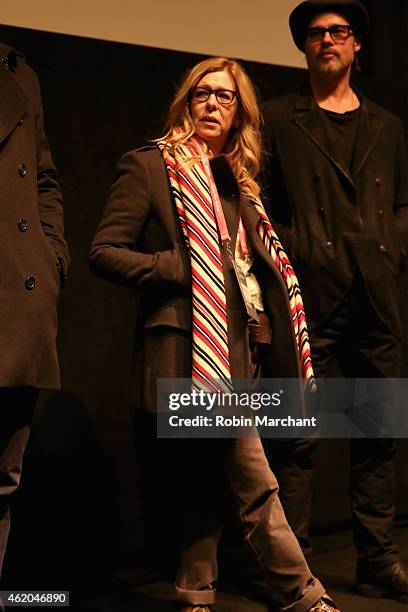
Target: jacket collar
(13,101)
(306,115)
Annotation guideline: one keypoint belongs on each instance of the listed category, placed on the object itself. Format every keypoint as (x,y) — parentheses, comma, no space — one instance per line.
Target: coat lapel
(307,117)
(370,126)
(13,102)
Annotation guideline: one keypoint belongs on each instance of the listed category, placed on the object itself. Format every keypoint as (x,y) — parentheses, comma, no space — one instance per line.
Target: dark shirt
(341,130)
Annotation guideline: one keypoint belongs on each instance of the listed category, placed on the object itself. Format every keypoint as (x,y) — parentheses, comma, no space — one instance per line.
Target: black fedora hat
(300,17)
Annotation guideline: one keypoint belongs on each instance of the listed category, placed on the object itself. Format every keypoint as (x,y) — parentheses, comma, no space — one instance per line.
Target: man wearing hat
(337,183)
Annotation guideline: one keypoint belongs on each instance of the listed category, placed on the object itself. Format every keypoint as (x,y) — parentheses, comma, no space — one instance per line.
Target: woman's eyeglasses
(223,96)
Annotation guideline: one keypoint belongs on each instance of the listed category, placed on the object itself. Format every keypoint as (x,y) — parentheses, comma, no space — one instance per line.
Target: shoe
(391,582)
(325,604)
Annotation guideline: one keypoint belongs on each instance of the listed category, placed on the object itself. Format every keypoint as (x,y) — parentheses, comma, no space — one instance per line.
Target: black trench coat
(33,252)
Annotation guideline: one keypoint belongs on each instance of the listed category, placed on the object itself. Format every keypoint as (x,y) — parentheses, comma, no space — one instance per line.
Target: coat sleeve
(401,197)
(114,253)
(49,193)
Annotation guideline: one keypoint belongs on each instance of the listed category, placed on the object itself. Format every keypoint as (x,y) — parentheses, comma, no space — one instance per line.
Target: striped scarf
(281,261)
(192,195)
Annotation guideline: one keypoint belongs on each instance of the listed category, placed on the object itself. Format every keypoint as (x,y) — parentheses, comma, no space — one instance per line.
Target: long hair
(244,146)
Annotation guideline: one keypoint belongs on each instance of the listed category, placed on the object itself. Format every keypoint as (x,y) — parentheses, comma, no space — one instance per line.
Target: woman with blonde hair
(219,302)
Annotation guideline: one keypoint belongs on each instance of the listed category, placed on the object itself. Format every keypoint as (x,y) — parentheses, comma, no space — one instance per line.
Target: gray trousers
(209,469)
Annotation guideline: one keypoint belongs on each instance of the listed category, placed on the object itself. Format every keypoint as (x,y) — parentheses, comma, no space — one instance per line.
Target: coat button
(21,121)
(29,283)
(383,248)
(321,210)
(22,225)
(381,212)
(22,170)
(378,181)
(329,244)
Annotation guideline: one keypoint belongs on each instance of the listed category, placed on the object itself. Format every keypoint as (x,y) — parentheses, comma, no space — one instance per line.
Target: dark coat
(33,252)
(139,244)
(333,222)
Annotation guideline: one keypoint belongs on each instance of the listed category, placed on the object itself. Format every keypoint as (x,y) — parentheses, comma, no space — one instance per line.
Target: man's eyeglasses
(338,33)
(224,96)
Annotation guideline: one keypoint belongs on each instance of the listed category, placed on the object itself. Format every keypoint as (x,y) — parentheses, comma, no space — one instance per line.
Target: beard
(336,67)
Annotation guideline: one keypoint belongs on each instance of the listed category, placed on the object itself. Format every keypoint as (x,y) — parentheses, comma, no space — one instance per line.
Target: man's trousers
(16,412)
(352,342)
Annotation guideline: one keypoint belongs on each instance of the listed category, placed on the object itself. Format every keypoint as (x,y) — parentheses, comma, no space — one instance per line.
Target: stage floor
(333,563)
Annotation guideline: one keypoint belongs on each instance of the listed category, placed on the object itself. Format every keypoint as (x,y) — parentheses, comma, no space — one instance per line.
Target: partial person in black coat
(33,265)
(336,181)
(161,234)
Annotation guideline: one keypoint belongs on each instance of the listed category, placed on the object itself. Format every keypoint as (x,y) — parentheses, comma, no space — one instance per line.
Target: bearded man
(337,185)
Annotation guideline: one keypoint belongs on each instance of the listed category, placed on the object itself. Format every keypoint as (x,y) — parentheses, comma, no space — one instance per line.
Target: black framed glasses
(338,33)
(224,96)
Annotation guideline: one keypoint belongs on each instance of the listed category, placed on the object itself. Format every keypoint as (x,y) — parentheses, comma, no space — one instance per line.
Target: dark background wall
(80,511)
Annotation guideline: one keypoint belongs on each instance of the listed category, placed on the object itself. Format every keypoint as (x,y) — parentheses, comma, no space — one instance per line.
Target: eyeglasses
(224,96)
(338,33)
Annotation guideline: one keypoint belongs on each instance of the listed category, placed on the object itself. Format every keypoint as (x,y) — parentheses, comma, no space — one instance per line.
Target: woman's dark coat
(139,244)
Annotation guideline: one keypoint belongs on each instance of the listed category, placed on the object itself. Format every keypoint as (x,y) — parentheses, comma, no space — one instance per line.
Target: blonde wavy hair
(244,146)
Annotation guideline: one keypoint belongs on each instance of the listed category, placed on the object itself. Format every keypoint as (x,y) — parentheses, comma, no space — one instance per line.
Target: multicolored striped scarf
(190,185)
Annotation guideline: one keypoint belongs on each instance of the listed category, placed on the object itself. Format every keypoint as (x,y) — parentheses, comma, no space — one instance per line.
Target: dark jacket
(333,222)
(139,244)
(33,252)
